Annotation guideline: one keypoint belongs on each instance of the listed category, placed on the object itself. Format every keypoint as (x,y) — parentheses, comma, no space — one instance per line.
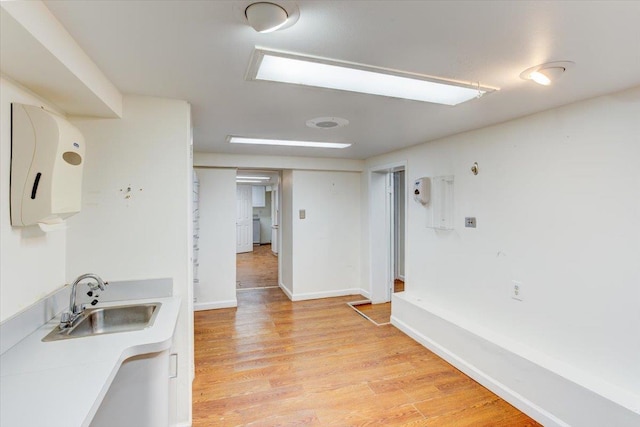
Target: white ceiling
(200,50)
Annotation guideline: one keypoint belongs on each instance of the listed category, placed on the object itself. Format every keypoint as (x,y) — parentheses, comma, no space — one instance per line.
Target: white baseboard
(200,306)
(326,294)
(364,293)
(547,396)
(286,291)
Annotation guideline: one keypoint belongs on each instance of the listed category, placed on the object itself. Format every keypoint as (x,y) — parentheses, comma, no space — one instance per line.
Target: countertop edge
(32,370)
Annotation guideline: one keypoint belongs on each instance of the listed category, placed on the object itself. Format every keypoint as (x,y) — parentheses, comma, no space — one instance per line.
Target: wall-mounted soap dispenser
(422,190)
(47,158)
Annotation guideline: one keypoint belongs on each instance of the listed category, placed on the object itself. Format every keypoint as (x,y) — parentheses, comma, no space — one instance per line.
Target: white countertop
(62,383)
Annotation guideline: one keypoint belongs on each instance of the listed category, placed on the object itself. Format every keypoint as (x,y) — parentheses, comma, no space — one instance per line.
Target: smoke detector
(327,122)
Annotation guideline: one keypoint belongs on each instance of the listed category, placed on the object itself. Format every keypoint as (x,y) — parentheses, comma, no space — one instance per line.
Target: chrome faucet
(75,310)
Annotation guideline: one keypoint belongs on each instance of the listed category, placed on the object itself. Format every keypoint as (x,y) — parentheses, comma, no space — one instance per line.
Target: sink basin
(108,320)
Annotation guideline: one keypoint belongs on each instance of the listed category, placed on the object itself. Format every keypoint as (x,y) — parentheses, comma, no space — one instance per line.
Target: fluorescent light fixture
(332,74)
(262,141)
(262,178)
(249,181)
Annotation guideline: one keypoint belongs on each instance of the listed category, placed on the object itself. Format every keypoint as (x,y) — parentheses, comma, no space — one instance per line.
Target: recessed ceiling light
(263,141)
(332,74)
(545,74)
(266,17)
(327,122)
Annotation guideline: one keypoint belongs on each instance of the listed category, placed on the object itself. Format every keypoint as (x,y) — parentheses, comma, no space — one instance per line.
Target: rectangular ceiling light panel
(309,71)
(263,141)
(260,178)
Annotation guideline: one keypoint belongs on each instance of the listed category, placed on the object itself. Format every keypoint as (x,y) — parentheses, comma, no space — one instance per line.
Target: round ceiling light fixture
(327,122)
(266,17)
(545,74)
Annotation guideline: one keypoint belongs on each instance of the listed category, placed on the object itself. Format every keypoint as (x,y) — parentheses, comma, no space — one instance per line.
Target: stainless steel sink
(108,320)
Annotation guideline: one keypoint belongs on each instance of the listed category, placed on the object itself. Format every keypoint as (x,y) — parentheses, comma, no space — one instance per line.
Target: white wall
(326,244)
(32,263)
(217,287)
(146,235)
(286,232)
(557,202)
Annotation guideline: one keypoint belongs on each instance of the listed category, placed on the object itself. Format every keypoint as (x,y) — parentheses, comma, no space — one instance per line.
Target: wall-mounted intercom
(47,157)
(422,190)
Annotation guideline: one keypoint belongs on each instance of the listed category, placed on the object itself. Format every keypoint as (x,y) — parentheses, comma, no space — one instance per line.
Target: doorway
(398,209)
(257,225)
(387,203)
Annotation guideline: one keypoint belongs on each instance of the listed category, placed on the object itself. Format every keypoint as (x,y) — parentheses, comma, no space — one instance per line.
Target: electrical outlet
(517,290)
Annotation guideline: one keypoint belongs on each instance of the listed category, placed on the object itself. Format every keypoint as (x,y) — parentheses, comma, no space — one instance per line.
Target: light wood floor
(273,362)
(257,269)
(380,314)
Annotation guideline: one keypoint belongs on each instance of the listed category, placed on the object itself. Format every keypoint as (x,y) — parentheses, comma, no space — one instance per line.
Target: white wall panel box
(47,158)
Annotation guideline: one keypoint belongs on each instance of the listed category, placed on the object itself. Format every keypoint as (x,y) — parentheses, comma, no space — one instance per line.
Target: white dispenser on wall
(47,158)
(422,190)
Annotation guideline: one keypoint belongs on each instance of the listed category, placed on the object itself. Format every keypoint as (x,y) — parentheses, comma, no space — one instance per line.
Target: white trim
(380,206)
(498,388)
(326,294)
(365,294)
(286,291)
(200,306)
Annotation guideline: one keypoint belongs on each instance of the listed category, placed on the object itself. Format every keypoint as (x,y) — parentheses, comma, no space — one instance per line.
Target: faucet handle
(65,320)
(94,286)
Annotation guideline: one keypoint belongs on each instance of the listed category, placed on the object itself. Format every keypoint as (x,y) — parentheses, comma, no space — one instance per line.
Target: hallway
(271,361)
(257,269)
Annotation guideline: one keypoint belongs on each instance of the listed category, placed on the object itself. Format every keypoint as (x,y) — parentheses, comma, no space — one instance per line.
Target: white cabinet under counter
(91,381)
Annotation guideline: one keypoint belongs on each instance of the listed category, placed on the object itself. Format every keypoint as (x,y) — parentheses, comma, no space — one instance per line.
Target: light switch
(303,214)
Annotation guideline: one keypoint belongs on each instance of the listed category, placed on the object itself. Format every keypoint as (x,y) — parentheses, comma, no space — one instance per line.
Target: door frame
(381,233)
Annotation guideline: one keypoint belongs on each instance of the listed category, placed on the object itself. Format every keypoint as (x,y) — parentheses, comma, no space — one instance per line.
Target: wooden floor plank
(379,314)
(272,362)
(257,269)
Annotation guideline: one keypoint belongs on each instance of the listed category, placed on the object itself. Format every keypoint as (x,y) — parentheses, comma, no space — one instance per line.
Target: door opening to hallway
(258,204)
(388,200)
(398,203)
